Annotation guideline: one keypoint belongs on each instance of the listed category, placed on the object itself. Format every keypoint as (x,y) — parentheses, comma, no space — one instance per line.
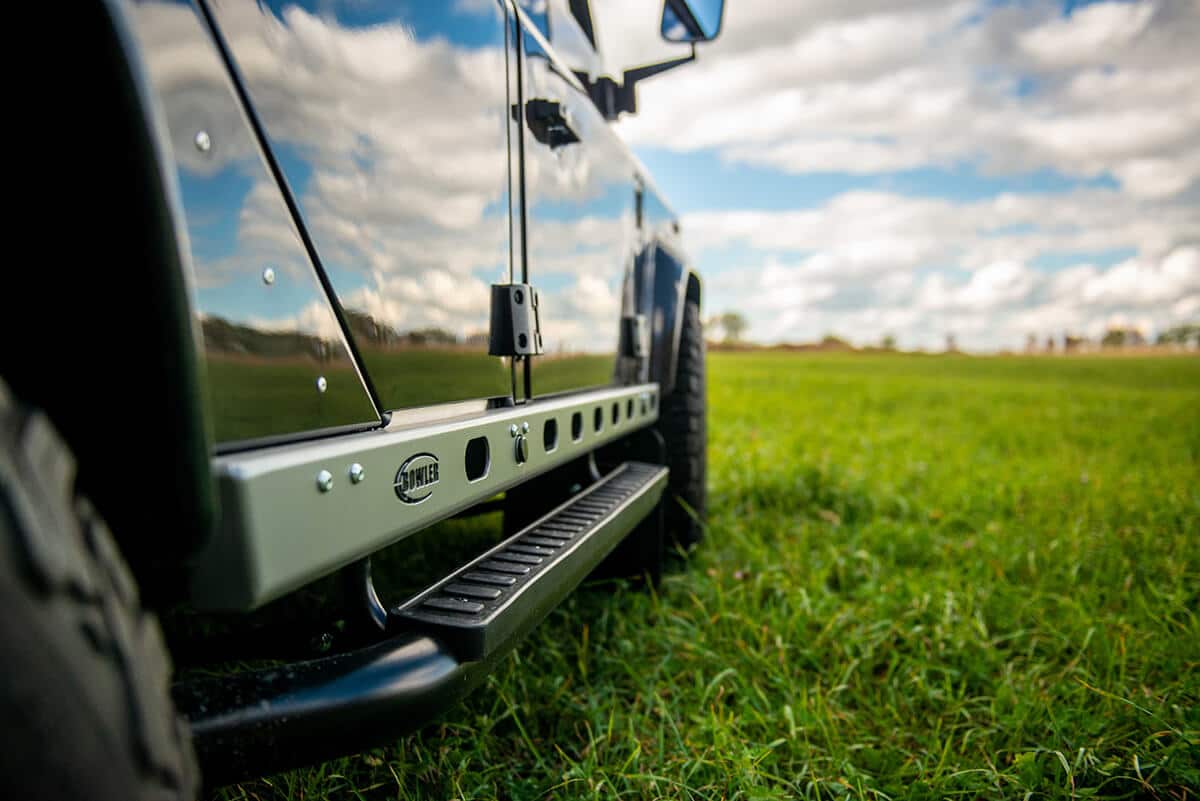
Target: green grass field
(924,577)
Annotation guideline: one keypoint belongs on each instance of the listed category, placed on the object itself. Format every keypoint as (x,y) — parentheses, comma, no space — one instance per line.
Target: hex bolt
(203,141)
(525,427)
(357,474)
(269,276)
(324,481)
(513,430)
(322,384)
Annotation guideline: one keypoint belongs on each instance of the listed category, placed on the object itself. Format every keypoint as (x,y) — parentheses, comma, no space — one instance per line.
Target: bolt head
(513,430)
(324,481)
(322,384)
(203,141)
(525,427)
(357,474)
(269,276)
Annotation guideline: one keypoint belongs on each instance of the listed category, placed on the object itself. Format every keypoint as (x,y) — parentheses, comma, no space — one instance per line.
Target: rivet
(525,427)
(513,430)
(357,474)
(324,481)
(269,276)
(322,384)
(203,141)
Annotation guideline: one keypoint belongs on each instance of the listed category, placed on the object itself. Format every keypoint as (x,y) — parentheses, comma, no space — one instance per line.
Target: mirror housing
(691,21)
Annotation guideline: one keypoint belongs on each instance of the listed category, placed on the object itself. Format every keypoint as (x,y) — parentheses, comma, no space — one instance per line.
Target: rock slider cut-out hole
(616,413)
(598,419)
(477,458)
(550,435)
(577,426)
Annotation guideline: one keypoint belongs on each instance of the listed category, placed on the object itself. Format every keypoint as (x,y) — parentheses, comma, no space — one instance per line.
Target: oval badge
(416,477)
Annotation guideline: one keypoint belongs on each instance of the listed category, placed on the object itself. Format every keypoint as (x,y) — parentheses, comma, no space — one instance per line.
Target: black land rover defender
(305,281)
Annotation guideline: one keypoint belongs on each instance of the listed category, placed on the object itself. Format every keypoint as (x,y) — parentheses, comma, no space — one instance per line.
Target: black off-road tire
(85,710)
(683,423)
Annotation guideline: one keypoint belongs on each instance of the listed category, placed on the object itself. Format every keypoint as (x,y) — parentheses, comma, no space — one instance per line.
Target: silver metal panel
(391,124)
(581,227)
(276,360)
(280,529)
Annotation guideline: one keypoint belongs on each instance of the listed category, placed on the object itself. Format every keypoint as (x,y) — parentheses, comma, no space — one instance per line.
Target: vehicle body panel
(390,124)
(580,225)
(275,357)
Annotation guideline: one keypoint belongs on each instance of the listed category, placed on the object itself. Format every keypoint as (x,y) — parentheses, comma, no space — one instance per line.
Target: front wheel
(684,427)
(85,710)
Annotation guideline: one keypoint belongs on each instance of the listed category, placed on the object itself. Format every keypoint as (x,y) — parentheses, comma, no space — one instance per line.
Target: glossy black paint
(580,222)
(276,360)
(390,126)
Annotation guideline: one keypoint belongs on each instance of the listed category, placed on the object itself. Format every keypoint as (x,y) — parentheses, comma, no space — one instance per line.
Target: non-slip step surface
(482,606)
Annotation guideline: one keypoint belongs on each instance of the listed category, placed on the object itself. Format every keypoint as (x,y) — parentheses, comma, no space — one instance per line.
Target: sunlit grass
(924,577)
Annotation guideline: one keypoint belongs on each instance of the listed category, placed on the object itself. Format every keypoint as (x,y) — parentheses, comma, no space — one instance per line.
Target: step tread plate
(480,627)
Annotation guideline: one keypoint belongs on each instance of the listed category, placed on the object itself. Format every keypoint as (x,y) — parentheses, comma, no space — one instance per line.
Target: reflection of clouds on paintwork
(582,316)
(582,230)
(396,149)
(404,137)
(238,226)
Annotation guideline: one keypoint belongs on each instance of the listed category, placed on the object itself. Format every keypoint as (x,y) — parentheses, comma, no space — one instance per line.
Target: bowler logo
(416,477)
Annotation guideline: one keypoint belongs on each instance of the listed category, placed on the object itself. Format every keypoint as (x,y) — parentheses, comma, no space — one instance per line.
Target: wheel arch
(673,283)
(121,379)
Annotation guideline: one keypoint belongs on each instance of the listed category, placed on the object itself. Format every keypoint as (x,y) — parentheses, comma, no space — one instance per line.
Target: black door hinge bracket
(515,324)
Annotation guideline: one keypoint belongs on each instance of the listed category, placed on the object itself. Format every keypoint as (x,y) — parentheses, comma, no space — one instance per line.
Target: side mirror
(691,21)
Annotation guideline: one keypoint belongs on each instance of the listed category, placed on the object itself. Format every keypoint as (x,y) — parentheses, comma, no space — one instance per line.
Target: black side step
(497,598)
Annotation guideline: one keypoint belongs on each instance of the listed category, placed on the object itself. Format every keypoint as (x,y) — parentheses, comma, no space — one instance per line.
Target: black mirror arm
(612,99)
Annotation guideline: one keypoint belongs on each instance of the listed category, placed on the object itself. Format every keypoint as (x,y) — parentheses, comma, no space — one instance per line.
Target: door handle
(550,122)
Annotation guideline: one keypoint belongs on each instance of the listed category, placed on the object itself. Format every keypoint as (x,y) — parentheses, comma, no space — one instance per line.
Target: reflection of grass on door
(252,398)
(924,577)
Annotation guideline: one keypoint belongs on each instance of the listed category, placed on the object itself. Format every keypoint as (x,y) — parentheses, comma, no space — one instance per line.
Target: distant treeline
(225,336)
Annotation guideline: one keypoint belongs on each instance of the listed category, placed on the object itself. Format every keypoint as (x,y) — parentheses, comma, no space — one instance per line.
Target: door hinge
(515,324)
(635,336)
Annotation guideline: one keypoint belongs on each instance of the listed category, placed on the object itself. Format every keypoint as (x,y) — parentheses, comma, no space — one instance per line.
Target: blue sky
(921,168)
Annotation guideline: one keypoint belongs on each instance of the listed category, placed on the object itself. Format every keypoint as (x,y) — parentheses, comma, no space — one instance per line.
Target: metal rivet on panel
(513,430)
(322,384)
(269,276)
(324,481)
(357,474)
(203,141)
(525,427)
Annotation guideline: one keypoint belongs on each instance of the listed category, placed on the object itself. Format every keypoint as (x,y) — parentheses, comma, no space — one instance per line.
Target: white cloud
(1113,88)
(874,263)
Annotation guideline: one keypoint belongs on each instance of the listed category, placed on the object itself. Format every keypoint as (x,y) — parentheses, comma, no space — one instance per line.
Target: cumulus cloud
(1106,93)
(1112,88)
